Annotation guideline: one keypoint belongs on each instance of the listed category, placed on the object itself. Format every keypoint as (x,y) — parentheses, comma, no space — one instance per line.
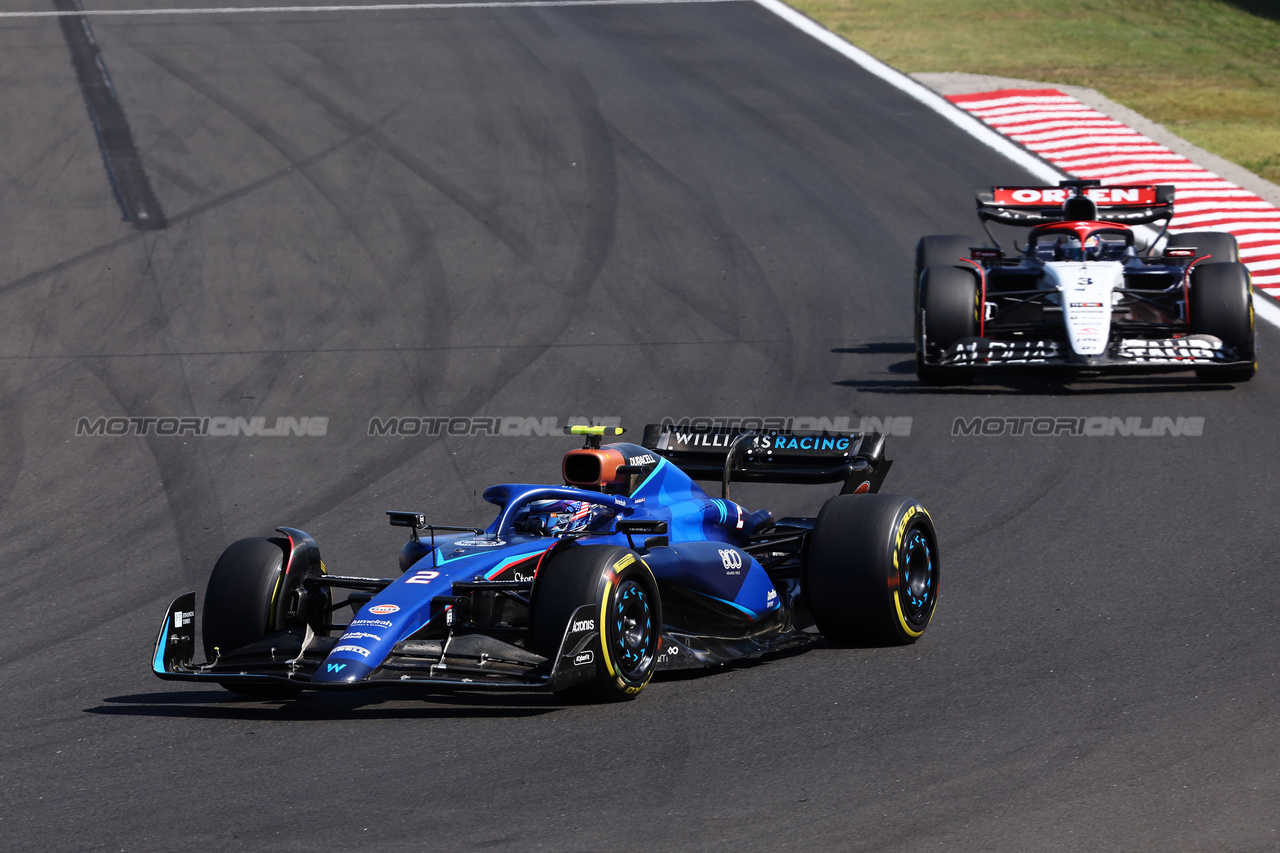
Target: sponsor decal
(808,442)
(183,618)
(645,459)
(732,560)
(479,543)
(1086,304)
(374,623)
(359,650)
(361,635)
(833,443)
(1172,350)
(1014,352)
(383,609)
(521,577)
(426,576)
(583,625)
(584,658)
(1057,195)
(336,667)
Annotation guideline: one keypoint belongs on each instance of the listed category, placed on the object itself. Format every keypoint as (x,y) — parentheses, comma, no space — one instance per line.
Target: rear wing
(855,459)
(1129,204)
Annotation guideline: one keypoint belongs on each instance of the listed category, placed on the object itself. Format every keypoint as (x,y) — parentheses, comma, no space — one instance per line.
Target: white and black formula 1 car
(1082,295)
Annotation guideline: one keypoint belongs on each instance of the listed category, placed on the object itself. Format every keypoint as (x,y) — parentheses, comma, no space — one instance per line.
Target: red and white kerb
(1085,143)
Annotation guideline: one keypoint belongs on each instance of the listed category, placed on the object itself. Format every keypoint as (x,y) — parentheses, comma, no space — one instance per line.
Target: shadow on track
(1022,384)
(1027,386)
(891,348)
(400,704)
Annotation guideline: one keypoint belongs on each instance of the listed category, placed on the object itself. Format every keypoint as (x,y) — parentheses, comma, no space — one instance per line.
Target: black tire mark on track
(486,216)
(37,276)
(13,444)
(128,180)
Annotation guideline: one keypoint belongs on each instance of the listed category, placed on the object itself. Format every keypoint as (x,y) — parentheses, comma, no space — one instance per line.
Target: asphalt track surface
(629,211)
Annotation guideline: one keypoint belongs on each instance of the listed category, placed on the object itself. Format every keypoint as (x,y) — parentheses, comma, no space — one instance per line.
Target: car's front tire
(950,302)
(625,604)
(1221,304)
(239,605)
(871,574)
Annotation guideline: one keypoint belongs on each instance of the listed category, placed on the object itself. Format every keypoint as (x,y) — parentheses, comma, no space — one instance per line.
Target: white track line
(1267,310)
(374,7)
(925,96)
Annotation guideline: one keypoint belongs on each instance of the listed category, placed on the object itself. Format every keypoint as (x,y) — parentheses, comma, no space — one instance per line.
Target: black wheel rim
(634,635)
(918,576)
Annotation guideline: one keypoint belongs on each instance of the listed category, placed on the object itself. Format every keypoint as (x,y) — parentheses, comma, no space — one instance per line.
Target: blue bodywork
(705,558)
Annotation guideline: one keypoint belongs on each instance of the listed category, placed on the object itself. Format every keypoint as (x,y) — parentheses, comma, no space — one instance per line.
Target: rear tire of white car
(950,302)
(1219,244)
(871,574)
(1221,304)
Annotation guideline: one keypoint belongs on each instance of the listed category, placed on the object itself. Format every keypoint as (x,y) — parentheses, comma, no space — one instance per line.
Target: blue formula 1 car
(586,588)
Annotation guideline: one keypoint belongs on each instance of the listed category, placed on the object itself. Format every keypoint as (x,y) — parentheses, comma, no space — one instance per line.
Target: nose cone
(341,671)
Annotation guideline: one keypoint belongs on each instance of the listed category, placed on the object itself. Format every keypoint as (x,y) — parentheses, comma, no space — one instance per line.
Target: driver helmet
(1070,249)
(553,517)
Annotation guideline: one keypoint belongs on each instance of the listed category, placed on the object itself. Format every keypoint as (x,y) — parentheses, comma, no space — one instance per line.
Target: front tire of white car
(1221,304)
(949,304)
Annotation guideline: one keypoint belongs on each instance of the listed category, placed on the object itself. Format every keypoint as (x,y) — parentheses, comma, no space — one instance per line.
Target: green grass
(1208,70)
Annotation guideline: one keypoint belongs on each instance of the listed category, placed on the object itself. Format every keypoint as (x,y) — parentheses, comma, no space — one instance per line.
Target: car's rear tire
(1220,245)
(239,605)
(1221,304)
(949,305)
(871,574)
(628,613)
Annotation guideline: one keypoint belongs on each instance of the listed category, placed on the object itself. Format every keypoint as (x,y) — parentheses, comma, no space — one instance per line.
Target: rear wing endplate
(855,459)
